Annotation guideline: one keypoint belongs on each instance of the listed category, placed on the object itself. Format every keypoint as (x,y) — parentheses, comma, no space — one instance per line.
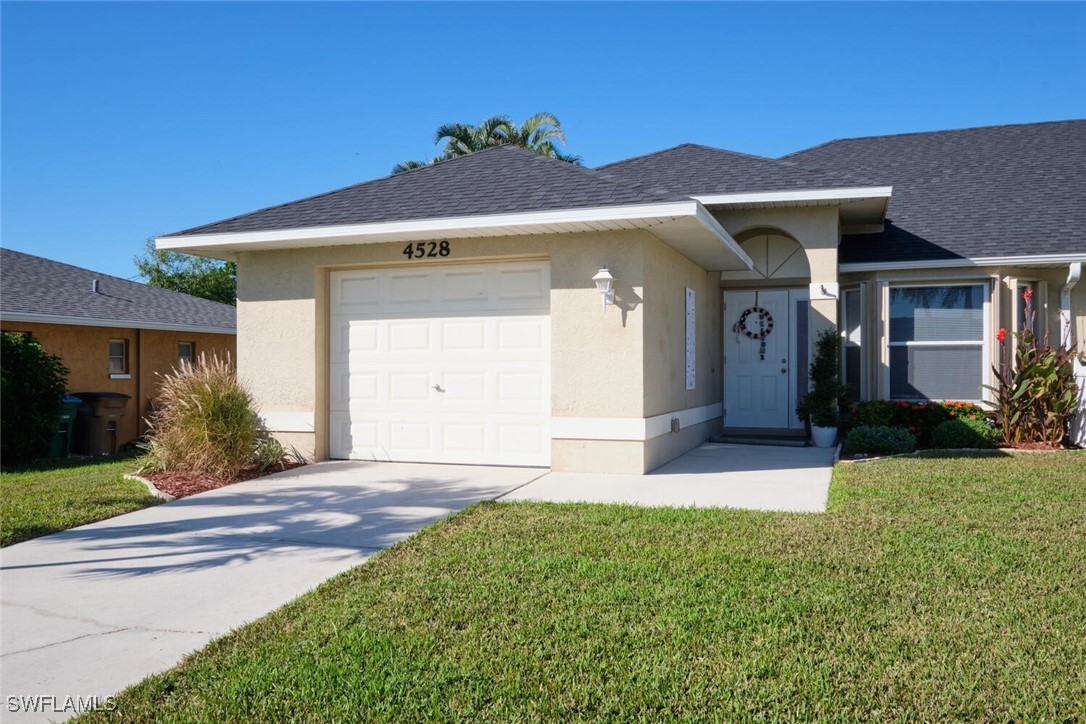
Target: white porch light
(604,282)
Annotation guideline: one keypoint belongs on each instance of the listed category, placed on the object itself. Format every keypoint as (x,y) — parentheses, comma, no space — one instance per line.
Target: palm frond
(409,165)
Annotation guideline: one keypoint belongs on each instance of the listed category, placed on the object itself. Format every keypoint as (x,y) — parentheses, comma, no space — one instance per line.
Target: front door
(757,335)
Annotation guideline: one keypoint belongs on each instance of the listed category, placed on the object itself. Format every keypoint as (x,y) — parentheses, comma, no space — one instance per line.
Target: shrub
(822,404)
(964,432)
(919,418)
(880,440)
(32,382)
(205,421)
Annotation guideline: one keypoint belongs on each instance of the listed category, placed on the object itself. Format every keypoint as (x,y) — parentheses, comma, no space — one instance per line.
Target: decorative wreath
(763,315)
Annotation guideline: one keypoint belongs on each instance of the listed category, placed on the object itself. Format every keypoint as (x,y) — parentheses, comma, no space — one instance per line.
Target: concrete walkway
(795,479)
(91,610)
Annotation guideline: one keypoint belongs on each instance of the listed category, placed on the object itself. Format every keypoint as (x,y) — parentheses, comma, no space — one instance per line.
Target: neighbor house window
(937,342)
(118,356)
(186,352)
(851,339)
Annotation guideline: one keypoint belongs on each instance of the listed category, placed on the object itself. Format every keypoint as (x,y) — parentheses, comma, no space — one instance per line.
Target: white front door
(445,364)
(757,336)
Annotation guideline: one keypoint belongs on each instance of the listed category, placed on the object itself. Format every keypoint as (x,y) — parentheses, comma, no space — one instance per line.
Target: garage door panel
(515,334)
(464,336)
(408,289)
(479,333)
(468,285)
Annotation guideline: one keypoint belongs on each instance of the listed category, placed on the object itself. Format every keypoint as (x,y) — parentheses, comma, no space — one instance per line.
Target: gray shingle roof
(500,180)
(976,192)
(701,170)
(34,285)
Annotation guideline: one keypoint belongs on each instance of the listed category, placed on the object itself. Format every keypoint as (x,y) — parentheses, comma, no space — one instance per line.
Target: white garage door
(441,364)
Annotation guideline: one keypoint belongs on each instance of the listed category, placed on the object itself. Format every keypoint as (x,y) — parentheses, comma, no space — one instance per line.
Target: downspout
(1067,341)
(1074,273)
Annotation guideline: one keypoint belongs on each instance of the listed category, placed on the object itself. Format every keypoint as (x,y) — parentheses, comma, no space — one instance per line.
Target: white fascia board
(770,197)
(459,223)
(710,222)
(31,318)
(1032,260)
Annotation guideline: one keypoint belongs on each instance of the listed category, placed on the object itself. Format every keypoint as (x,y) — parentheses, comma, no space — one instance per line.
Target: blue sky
(123,121)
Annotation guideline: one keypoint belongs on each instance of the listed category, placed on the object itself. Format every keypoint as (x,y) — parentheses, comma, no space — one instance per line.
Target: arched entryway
(766,319)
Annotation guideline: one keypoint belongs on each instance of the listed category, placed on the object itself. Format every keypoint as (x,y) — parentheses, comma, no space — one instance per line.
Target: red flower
(1002,335)
(1027,295)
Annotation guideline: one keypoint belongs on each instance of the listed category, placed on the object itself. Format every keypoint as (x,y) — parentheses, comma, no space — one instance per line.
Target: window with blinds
(937,342)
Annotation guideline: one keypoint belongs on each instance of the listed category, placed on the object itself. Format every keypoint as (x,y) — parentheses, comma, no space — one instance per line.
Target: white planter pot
(823,436)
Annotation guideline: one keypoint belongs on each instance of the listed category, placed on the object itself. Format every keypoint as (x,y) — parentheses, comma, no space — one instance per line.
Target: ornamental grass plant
(206,421)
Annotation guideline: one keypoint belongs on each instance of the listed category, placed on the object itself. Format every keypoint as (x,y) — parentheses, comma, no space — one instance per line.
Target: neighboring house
(450,313)
(112,334)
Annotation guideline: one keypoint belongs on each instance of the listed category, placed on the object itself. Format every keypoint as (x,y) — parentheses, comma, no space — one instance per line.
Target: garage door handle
(438,388)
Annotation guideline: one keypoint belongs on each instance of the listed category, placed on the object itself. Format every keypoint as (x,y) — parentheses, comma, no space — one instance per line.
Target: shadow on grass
(43,466)
(996,453)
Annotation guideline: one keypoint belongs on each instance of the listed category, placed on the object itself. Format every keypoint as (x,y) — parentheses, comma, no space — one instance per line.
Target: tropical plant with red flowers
(1035,395)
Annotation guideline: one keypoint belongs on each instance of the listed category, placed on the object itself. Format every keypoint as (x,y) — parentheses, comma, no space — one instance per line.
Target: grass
(48,497)
(935,588)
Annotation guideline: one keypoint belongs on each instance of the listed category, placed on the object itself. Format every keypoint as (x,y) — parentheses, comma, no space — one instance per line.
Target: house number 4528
(426,248)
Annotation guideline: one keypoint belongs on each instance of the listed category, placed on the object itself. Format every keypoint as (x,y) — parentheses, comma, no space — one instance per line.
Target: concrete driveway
(759,477)
(91,610)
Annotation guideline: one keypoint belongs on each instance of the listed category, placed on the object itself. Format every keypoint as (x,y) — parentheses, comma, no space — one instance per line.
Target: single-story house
(460,312)
(113,335)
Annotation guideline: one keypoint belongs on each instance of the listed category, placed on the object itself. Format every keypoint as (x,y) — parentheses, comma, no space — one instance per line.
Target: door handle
(784,370)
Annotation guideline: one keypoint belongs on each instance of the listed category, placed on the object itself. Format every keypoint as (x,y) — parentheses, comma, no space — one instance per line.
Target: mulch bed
(183,484)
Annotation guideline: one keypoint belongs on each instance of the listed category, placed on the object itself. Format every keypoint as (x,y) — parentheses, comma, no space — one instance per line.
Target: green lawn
(934,589)
(58,495)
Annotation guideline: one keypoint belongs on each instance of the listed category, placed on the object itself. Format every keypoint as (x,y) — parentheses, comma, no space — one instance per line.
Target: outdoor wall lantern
(604,283)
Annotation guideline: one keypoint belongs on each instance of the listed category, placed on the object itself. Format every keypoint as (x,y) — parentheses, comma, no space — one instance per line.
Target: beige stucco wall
(85,352)
(625,362)
(282,322)
(818,231)
(665,332)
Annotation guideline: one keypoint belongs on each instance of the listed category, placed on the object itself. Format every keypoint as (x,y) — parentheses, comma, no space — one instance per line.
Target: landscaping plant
(919,418)
(965,432)
(32,381)
(1035,395)
(205,421)
(879,440)
(822,405)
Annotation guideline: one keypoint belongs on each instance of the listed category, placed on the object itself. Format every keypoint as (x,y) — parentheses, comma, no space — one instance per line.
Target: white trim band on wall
(630,428)
(288,421)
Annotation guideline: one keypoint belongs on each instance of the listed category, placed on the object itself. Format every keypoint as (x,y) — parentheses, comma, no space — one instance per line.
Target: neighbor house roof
(35,289)
(999,191)
(499,180)
(697,171)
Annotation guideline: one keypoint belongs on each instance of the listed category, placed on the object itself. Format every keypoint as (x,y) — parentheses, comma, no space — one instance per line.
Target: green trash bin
(61,445)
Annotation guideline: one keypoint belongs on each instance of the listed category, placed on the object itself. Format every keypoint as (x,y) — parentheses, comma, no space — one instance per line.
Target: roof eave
(685,225)
(796,197)
(1025,260)
(35,318)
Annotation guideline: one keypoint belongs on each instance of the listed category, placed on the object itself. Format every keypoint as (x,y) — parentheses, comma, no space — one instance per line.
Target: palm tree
(538,133)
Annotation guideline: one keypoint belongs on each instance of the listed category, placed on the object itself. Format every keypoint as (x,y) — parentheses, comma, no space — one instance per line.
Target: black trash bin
(97,421)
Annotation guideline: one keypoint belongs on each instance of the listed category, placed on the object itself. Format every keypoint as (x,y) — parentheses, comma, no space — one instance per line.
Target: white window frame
(1019,307)
(192,352)
(845,324)
(984,342)
(125,373)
